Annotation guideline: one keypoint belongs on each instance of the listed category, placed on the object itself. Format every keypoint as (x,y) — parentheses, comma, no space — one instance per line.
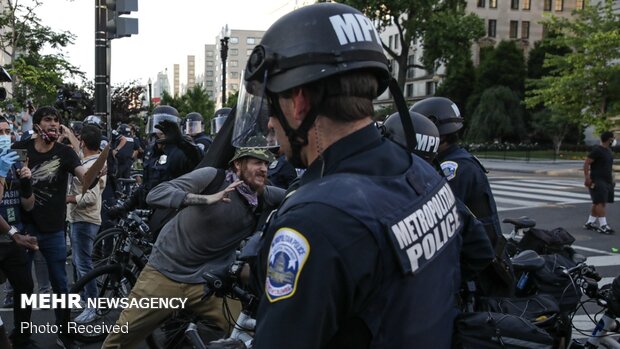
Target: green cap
(257,153)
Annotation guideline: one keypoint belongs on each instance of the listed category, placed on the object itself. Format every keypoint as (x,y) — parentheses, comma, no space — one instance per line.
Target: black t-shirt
(50,172)
(124,157)
(602,163)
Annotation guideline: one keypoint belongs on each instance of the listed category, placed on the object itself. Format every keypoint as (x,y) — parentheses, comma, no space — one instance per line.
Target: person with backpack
(217,209)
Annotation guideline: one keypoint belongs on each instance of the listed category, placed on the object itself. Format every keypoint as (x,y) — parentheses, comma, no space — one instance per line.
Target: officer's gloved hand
(172,132)
(7,159)
(191,150)
(117,211)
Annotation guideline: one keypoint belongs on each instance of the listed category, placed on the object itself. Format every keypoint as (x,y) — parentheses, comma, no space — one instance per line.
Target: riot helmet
(304,46)
(427,134)
(218,119)
(123,130)
(442,112)
(94,120)
(161,113)
(193,123)
(76,127)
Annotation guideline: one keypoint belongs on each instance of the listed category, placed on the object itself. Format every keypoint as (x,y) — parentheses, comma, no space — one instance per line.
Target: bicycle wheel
(171,334)
(113,282)
(104,244)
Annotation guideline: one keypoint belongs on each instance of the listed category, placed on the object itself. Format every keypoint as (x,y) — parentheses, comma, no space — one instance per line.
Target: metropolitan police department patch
(287,255)
(449,169)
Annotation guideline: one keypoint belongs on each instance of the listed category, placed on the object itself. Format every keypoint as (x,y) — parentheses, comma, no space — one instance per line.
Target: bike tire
(171,334)
(101,250)
(113,281)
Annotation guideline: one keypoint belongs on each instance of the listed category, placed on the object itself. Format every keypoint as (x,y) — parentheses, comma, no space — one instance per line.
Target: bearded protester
(202,236)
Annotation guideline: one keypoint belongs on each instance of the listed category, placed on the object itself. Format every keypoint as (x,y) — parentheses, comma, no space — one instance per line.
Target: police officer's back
(351,259)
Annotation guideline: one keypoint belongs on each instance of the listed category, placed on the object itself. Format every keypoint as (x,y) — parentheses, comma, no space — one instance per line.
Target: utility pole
(101,53)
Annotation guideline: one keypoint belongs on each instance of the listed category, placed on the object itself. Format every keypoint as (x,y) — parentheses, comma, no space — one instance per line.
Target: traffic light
(119,27)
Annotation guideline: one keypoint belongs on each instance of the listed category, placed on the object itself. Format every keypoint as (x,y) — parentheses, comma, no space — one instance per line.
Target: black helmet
(218,119)
(94,120)
(307,45)
(427,135)
(124,129)
(442,112)
(193,123)
(161,113)
(76,126)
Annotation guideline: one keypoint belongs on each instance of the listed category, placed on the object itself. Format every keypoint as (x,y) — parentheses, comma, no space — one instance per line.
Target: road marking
(603,261)
(547,198)
(558,194)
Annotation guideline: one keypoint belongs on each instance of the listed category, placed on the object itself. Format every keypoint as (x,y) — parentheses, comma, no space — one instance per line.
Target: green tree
(582,86)
(195,99)
(444,29)
(498,117)
(22,39)
(553,127)
(127,101)
(231,101)
(460,76)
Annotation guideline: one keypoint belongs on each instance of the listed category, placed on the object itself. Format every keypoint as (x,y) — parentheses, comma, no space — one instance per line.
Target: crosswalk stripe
(532,185)
(542,191)
(603,261)
(547,198)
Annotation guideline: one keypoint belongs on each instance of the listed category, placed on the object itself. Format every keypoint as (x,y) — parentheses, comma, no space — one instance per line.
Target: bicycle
(608,298)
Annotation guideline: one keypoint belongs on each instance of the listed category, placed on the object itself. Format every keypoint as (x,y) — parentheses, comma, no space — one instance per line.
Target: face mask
(5,142)
(47,137)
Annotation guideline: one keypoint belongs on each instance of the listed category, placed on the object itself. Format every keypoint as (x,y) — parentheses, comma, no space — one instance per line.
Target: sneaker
(8,301)
(63,341)
(590,226)
(88,315)
(605,229)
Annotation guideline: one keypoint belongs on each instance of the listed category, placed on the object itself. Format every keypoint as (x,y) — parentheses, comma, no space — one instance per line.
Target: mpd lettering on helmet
(426,143)
(351,28)
(424,232)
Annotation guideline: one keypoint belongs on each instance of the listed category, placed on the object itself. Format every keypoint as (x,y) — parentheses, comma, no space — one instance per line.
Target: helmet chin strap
(298,138)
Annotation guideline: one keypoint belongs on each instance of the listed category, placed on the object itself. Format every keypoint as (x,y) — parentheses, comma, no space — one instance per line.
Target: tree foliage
(582,85)
(499,117)
(23,37)
(442,27)
(460,76)
(195,99)
(503,66)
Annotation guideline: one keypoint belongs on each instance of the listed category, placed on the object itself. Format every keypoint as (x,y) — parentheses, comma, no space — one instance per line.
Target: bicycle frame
(599,334)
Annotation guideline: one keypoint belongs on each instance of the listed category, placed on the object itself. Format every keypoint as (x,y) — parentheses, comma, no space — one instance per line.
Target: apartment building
(176,87)
(161,84)
(191,72)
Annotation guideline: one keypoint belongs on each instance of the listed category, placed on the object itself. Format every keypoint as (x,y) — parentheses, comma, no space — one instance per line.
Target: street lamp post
(150,95)
(224,56)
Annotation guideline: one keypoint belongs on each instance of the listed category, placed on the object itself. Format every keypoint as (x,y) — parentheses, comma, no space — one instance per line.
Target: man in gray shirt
(202,236)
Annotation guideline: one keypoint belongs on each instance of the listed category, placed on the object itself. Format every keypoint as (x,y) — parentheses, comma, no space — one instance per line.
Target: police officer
(194,126)
(125,151)
(281,173)
(469,182)
(354,251)
(477,252)
(218,120)
(168,156)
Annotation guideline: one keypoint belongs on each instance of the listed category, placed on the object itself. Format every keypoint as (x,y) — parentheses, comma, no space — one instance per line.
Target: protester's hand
(7,159)
(24,172)
(27,241)
(588,182)
(222,195)
(171,130)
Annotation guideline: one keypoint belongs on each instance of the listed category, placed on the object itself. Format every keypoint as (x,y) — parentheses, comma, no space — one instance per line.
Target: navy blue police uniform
(202,141)
(469,182)
(365,252)
(281,173)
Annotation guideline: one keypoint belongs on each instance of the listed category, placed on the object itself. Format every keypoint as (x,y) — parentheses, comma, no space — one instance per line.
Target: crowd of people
(370,247)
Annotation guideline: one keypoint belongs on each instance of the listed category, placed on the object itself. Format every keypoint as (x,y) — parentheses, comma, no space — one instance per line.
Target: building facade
(191,72)
(161,84)
(176,87)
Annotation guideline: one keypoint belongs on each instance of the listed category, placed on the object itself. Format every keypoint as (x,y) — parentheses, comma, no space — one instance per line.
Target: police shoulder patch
(273,164)
(201,146)
(449,169)
(288,253)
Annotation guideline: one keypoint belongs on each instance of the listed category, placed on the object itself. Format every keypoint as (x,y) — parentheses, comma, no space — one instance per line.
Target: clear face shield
(252,116)
(193,127)
(155,119)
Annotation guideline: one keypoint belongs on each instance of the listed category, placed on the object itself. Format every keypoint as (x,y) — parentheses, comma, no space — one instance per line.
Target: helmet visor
(193,127)
(155,119)
(217,123)
(252,116)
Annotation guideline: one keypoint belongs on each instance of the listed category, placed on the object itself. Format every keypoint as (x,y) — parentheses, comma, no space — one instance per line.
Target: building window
(250,41)
(234,75)
(234,52)
(547,5)
(481,3)
(514,28)
(492,31)
(209,73)
(559,5)
(409,90)
(430,88)
(396,41)
(210,83)
(526,5)
(234,63)
(411,71)
(233,40)
(525,30)
(248,52)
(209,63)
(580,5)
(493,3)
(234,87)
(390,41)
(209,53)
(514,4)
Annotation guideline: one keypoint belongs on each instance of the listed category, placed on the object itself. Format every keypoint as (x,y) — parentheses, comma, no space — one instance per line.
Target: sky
(169,30)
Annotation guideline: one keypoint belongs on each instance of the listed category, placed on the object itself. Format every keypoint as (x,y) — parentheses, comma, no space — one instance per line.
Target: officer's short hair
(607,135)
(344,97)
(91,136)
